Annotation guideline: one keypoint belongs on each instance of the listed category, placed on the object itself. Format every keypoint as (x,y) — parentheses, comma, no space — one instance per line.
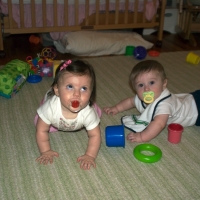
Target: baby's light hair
(76,67)
(144,67)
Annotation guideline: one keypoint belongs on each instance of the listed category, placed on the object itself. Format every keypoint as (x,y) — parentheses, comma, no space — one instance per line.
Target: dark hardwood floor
(19,47)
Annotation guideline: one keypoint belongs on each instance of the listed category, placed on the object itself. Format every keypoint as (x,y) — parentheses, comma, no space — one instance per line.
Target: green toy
(140,149)
(12,77)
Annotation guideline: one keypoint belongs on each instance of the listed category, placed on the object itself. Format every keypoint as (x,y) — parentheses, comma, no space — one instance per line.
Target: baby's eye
(83,88)
(69,87)
(152,82)
(140,85)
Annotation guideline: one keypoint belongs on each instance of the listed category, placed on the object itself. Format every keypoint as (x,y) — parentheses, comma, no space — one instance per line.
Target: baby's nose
(146,88)
(76,92)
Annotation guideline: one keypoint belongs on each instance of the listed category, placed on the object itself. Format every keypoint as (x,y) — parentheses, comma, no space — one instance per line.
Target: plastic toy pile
(15,73)
(43,64)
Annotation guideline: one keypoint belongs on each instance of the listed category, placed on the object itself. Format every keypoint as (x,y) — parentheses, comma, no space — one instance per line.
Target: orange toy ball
(33,39)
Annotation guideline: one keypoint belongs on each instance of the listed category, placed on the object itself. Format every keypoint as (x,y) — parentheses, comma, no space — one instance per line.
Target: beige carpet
(118,176)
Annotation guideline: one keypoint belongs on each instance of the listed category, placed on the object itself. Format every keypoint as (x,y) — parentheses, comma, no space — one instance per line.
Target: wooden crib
(189,20)
(101,17)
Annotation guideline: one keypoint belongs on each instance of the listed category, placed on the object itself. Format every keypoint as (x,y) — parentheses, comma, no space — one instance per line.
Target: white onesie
(181,108)
(50,112)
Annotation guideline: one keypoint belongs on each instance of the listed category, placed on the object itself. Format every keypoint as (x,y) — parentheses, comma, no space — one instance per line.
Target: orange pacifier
(148,97)
(75,104)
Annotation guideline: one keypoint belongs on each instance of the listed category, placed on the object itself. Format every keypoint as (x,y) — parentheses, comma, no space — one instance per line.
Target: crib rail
(96,21)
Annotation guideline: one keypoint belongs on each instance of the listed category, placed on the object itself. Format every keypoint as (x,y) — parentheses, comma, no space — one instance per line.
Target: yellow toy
(56,63)
(193,58)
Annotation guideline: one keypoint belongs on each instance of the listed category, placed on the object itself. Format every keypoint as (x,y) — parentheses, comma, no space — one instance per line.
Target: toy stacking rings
(34,79)
(137,152)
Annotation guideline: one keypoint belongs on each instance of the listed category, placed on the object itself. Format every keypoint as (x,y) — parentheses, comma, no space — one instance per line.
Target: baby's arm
(123,105)
(94,142)
(42,138)
(153,129)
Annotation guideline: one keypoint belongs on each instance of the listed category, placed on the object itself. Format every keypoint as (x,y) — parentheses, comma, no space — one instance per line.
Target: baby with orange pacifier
(69,106)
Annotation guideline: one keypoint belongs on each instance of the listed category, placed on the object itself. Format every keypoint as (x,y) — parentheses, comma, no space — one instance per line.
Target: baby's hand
(86,162)
(134,137)
(47,157)
(111,110)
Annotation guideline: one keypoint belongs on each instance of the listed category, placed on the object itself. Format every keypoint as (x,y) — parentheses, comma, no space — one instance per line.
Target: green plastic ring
(137,152)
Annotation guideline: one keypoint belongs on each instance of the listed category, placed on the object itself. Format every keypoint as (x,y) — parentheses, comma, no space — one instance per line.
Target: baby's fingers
(56,154)
(131,138)
(44,160)
(106,110)
(86,165)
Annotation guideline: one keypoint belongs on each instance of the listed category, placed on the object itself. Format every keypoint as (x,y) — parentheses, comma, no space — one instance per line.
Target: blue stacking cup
(115,136)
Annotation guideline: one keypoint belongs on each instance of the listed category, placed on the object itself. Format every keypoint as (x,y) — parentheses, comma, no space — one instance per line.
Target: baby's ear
(55,88)
(164,84)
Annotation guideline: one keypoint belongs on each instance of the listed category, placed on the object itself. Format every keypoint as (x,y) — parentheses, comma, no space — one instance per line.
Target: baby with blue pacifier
(156,104)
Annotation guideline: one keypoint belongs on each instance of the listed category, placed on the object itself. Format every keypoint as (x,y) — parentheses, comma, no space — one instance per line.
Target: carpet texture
(118,176)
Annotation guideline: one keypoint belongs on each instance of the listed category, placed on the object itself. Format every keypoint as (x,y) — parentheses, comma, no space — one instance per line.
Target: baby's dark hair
(144,67)
(76,67)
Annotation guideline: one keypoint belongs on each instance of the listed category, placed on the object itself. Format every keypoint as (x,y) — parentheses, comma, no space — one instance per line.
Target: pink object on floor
(98,109)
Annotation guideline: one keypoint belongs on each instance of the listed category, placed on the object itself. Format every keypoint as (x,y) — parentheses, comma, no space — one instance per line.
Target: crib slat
(135,12)
(144,10)
(154,17)
(10,13)
(76,12)
(44,14)
(97,13)
(107,12)
(126,12)
(161,20)
(21,8)
(87,6)
(187,20)
(55,13)
(33,15)
(65,13)
(183,20)
(117,12)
